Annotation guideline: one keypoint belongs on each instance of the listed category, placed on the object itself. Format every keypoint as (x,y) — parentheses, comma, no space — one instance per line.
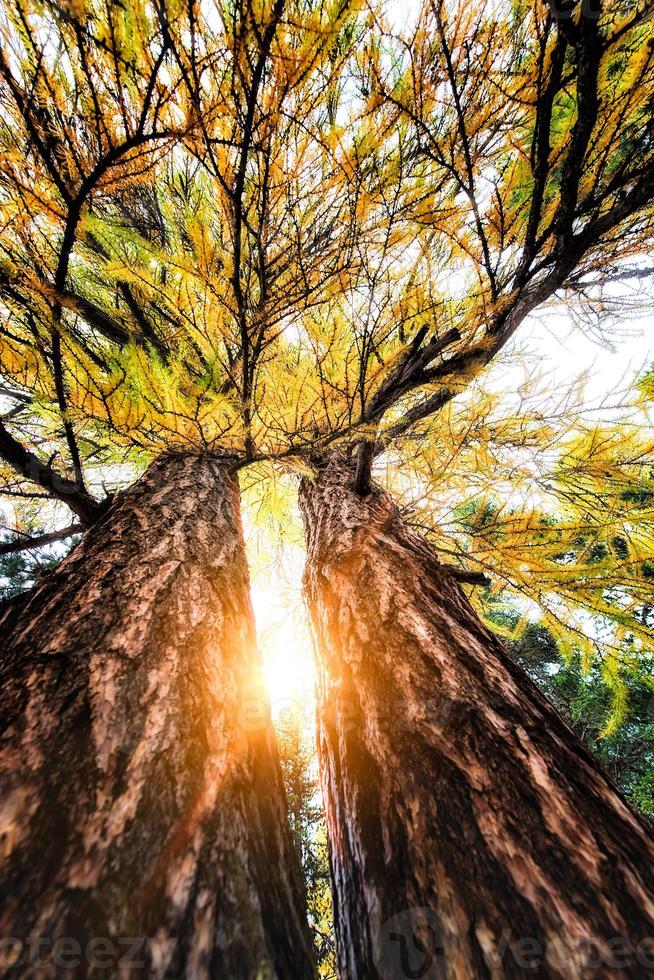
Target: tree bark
(142,810)
(471,834)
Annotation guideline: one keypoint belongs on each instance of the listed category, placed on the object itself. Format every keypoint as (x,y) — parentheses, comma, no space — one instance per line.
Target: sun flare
(285,648)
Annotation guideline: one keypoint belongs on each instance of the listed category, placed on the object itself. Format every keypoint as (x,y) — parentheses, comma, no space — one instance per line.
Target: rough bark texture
(142,811)
(471,834)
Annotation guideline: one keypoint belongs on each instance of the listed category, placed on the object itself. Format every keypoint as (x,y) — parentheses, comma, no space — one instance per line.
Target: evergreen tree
(583,698)
(298,759)
(240,234)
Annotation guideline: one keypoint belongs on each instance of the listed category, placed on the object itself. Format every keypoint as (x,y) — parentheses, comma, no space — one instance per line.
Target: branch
(18,395)
(469,187)
(585,37)
(110,328)
(26,544)
(409,372)
(466,576)
(97,318)
(640,195)
(239,209)
(540,152)
(148,332)
(480,354)
(27,464)
(25,110)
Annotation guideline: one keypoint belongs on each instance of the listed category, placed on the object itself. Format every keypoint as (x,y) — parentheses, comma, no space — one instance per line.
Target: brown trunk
(142,810)
(471,834)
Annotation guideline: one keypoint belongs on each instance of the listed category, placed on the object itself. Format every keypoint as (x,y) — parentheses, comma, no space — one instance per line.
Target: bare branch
(27,464)
(38,541)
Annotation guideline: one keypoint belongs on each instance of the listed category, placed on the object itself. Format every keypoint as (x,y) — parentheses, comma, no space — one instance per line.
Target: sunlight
(285,648)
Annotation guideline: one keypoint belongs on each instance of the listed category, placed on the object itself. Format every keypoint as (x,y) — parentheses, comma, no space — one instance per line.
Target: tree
(103,368)
(21,567)
(449,783)
(546,508)
(284,232)
(137,756)
(467,823)
(543,506)
(297,755)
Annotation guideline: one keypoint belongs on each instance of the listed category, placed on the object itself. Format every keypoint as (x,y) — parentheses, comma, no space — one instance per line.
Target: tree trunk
(142,809)
(471,833)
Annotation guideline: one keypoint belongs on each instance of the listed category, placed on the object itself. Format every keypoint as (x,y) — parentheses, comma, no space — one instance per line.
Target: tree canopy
(271,230)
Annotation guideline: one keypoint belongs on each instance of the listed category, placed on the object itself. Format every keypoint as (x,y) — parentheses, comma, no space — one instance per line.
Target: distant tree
(583,698)
(299,761)
(21,568)
(554,507)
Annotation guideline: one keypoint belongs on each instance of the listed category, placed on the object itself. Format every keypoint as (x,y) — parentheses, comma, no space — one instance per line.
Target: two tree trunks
(471,834)
(142,811)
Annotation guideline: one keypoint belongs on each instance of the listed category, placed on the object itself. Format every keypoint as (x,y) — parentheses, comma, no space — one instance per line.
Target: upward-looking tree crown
(269,229)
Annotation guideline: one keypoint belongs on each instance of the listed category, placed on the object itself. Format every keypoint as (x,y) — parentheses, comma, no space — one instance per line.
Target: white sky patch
(558,346)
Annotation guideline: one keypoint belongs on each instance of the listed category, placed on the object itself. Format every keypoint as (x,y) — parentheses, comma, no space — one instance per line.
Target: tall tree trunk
(142,809)
(471,833)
